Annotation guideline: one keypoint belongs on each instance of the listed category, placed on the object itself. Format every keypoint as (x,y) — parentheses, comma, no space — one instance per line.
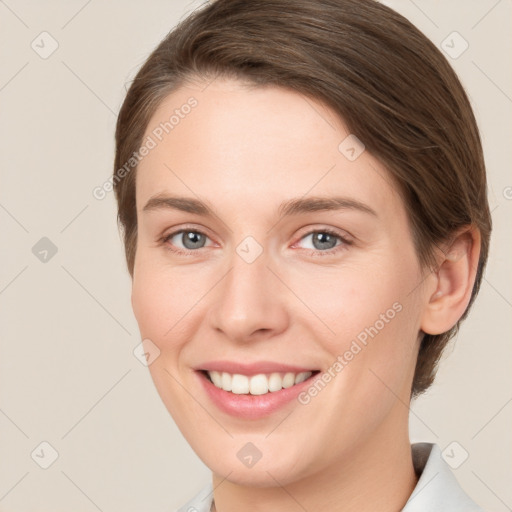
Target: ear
(453,282)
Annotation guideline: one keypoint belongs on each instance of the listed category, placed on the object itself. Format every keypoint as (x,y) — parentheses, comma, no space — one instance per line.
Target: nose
(249,303)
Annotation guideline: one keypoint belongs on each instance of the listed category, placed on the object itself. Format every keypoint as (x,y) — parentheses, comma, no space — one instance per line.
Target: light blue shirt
(437,489)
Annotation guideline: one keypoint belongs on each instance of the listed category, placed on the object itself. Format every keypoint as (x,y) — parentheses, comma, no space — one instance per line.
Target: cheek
(156,305)
(148,303)
(168,303)
(373,321)
(161,314)
(351,302)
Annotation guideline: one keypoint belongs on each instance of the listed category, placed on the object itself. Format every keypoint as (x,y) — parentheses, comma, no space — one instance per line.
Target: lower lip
(252,406)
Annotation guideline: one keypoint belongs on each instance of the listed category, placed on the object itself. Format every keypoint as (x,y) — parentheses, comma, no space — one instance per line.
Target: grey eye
(190,239)
(322,240)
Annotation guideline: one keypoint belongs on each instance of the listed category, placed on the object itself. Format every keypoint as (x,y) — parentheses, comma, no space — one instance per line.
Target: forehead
(256,145)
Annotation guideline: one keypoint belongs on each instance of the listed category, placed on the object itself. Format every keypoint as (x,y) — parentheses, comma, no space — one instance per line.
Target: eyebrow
(291,207)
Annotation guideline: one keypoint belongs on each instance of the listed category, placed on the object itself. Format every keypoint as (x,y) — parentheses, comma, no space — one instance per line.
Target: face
(272,249)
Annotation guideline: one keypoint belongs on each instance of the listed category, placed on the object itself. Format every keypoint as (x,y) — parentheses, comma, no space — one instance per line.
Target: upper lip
(252,368)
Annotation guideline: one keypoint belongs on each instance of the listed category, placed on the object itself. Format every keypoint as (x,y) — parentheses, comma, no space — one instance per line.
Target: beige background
(68,375)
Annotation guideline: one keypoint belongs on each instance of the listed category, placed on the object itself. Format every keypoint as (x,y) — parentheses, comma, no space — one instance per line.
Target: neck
(377,474)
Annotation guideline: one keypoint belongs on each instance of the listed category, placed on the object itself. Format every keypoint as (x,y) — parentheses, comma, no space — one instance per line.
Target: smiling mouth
(259,384)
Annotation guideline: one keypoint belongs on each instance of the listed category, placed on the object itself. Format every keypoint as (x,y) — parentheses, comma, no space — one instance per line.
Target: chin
(237,461)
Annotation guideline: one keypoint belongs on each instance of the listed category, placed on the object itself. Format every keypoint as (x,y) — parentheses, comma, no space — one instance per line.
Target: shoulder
(437,488)
(201,502)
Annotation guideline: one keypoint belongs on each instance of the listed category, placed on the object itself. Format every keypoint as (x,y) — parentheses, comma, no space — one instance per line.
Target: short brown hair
(388,83)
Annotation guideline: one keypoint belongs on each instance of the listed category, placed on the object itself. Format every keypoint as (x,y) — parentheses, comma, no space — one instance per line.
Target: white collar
(437,488)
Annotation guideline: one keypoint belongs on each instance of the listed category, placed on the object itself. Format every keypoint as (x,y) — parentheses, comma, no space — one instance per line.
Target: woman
(302,194)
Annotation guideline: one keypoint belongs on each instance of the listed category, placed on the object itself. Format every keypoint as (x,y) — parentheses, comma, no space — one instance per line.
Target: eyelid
(341,233)
(345,238)
(183,229)
(345,242)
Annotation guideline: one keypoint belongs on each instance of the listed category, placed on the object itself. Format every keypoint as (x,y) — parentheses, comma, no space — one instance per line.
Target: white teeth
(256,384)
(301,377)
(226,381)
(288,380)
(275,382)
(216,378)
(240,384)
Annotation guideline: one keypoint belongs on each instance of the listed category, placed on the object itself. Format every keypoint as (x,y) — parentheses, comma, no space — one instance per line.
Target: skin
(349,447)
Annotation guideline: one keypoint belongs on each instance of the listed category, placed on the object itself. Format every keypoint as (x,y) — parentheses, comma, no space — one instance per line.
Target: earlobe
(455,277)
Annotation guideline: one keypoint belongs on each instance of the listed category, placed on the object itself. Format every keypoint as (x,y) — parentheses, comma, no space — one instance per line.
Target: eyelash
(329,252)
(311,252)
